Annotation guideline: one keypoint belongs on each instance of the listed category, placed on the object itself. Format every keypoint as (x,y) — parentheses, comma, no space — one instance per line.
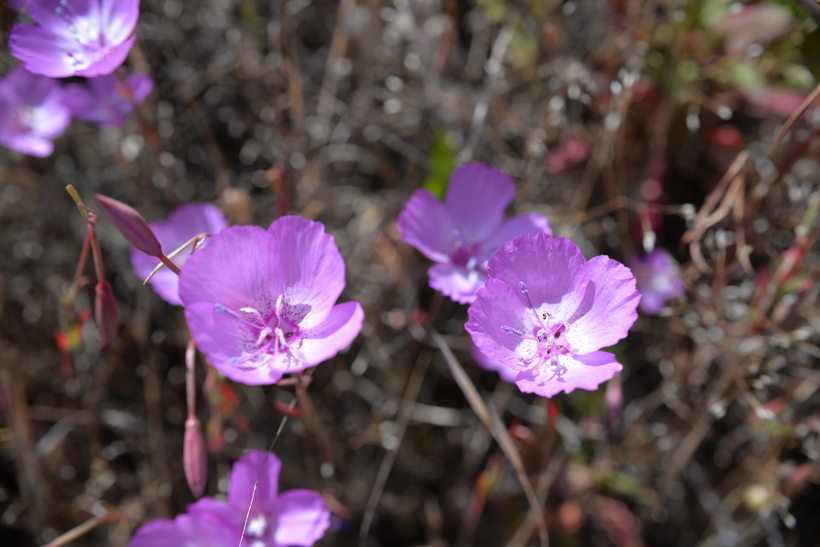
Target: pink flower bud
(194,457)
(131,225)
(106,313)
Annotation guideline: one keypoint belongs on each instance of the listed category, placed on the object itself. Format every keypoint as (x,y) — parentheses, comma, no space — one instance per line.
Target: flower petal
(604,318)
(303,518)
(200,530)
(55,16)
(336,332)
(310,271)
(553,270)
(141,86)
(476,198)
(28,144)
(255,465)
(111,62)
(119,18)
(425,224)
(457,282)
(42,51)
(530,223)
(238,268)
(496,310)
(582,372)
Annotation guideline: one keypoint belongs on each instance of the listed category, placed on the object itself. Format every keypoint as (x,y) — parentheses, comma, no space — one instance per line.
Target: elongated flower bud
(107,314)
(194,457)
(131,225)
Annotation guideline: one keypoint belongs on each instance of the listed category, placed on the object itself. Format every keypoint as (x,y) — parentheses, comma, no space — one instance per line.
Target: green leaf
(441,162)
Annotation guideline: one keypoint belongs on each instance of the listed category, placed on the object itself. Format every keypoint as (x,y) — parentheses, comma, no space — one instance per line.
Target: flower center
(86,32)
(545,343)
(275,334)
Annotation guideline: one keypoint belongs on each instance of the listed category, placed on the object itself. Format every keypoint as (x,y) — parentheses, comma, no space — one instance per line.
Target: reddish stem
(171,266)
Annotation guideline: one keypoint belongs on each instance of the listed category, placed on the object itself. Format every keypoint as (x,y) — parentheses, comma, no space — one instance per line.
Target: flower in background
(17,5)
(75,37)
(462,233)
(32,112)
(506,373)
(261,303)
(658,279)
(183,223)
(108,100)
(545,312)
(296,517)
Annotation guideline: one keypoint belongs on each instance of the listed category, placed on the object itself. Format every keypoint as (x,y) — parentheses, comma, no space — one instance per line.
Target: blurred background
(630,124)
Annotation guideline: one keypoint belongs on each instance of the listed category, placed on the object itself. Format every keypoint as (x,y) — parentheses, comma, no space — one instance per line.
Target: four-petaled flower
(658,279)
(108,100)
(462,233)
(183,223)
(545,312)
(32,112)
(296,517)
(75,37)
(260,303)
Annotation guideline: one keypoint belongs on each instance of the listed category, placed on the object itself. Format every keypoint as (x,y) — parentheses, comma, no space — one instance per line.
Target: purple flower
(260,303)
(658,279)
(545,312)
(107,100)
(32,112)
(462,233)
(75,37)
(296,517)
(183,223)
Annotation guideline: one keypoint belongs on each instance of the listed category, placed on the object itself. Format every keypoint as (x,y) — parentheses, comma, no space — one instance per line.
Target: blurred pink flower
(32,112)
(107,100)
(75,37)
(296,517)
(567,155)
(462,233)
(658,279)
(183,223)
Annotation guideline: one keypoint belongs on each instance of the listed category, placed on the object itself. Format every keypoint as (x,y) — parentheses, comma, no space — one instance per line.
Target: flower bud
(194,457)
(131,225)
(106,313)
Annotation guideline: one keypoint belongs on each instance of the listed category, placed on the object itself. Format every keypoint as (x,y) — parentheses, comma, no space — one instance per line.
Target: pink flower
(261,303)
(32,112)
(545,312)
(658,280)
(296,517)
(75,37)
(107,100)
(183,223)
(462,233)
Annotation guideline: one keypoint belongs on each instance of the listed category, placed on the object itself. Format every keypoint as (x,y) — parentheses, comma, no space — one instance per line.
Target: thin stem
(75,285)
(171,266)
(96,253)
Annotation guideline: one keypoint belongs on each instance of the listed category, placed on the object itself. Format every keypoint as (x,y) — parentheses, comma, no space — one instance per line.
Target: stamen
(526,292)
(264,333)
(514,332)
